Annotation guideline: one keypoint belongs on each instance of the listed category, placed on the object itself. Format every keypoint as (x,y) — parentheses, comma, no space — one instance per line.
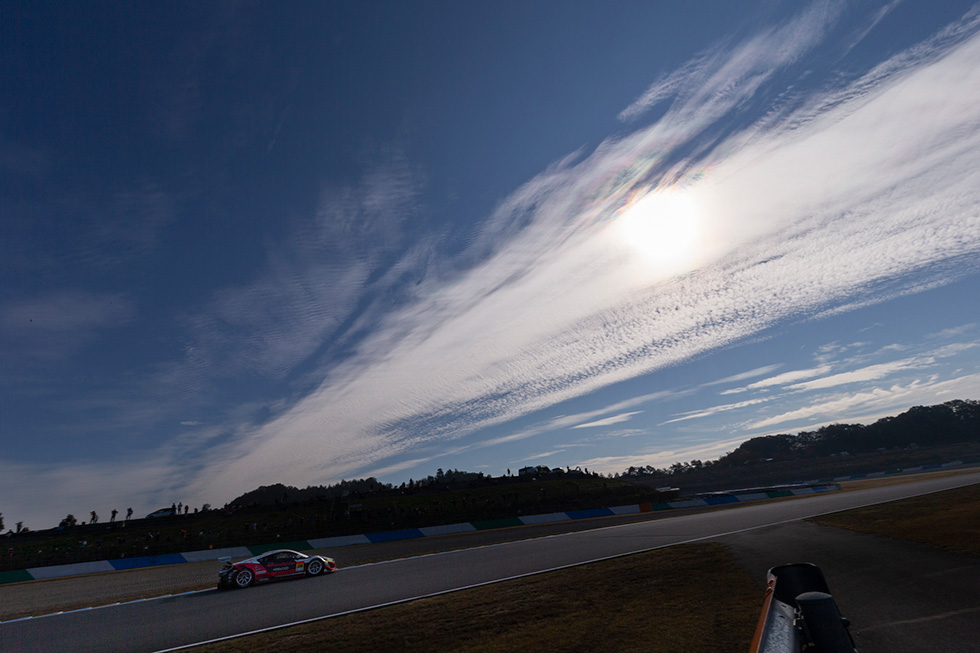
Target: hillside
(921,435)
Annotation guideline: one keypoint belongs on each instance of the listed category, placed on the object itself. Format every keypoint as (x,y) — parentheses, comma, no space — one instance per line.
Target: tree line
(284,494)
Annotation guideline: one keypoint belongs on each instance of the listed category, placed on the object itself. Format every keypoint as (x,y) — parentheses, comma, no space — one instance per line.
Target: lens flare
(663,229)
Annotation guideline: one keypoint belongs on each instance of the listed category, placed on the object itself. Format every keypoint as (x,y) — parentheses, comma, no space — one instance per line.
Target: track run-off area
(181,620)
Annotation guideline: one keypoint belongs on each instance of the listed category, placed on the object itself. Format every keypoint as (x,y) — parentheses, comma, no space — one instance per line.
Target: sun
(663,229)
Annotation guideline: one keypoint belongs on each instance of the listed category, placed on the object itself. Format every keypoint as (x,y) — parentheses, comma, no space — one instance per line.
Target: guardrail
(119,564)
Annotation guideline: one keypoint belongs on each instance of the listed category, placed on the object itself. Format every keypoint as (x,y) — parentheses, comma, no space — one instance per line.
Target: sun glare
(663,228)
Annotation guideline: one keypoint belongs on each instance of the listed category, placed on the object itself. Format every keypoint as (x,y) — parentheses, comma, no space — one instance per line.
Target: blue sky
(245,244)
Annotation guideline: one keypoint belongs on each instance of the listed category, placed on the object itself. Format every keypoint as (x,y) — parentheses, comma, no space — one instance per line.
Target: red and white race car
(272,565)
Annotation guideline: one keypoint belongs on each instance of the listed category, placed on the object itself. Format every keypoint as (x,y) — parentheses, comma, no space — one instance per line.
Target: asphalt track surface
(183,620)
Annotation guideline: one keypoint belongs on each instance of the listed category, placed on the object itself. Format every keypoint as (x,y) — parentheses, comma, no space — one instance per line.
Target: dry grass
(881,481)
(666,600)
(950,519)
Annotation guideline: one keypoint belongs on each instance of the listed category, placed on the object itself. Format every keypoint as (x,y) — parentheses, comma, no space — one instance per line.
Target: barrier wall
(57,571)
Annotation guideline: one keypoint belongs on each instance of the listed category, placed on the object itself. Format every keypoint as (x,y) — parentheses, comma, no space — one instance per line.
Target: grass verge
(882,481)
(949,519)
(665,600)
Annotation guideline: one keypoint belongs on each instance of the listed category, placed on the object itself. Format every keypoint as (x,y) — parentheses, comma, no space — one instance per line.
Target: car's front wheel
(244,578)
(315,568)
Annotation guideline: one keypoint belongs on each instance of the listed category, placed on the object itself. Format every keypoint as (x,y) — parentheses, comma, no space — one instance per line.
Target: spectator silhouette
(93,518)
(129,513)
(112,517)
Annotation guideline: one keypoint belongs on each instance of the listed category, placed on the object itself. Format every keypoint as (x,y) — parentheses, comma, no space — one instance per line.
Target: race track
(167,623)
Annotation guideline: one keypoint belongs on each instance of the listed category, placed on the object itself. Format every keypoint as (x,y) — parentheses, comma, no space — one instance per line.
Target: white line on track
(107,605)
(466,587)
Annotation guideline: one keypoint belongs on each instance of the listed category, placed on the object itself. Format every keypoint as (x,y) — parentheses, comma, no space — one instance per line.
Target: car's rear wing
(799,614)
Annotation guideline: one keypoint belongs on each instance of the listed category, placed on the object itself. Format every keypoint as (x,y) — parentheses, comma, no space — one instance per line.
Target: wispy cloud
(880,399)
(814,210)
(312,282)
(571,421)
(611,434)
(545,454)
(67,311)
(869,373)
(662,457)
(785,378)
(841,198)
(714,410)
(718,79)
(54,325)
(954,331)
(873,390)
(608,421)
(750,374)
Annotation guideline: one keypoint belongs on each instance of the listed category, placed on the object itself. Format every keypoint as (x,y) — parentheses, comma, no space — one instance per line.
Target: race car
(272,565)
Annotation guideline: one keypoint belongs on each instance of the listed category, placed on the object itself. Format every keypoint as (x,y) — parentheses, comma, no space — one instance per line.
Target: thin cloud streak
(714,410)
(615,419)
(887,397)
(66,312)
(874,402)
(664,457)
(53,327)
(781,379)
(715,78)
(750,374)
(870,373)
(862,406)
